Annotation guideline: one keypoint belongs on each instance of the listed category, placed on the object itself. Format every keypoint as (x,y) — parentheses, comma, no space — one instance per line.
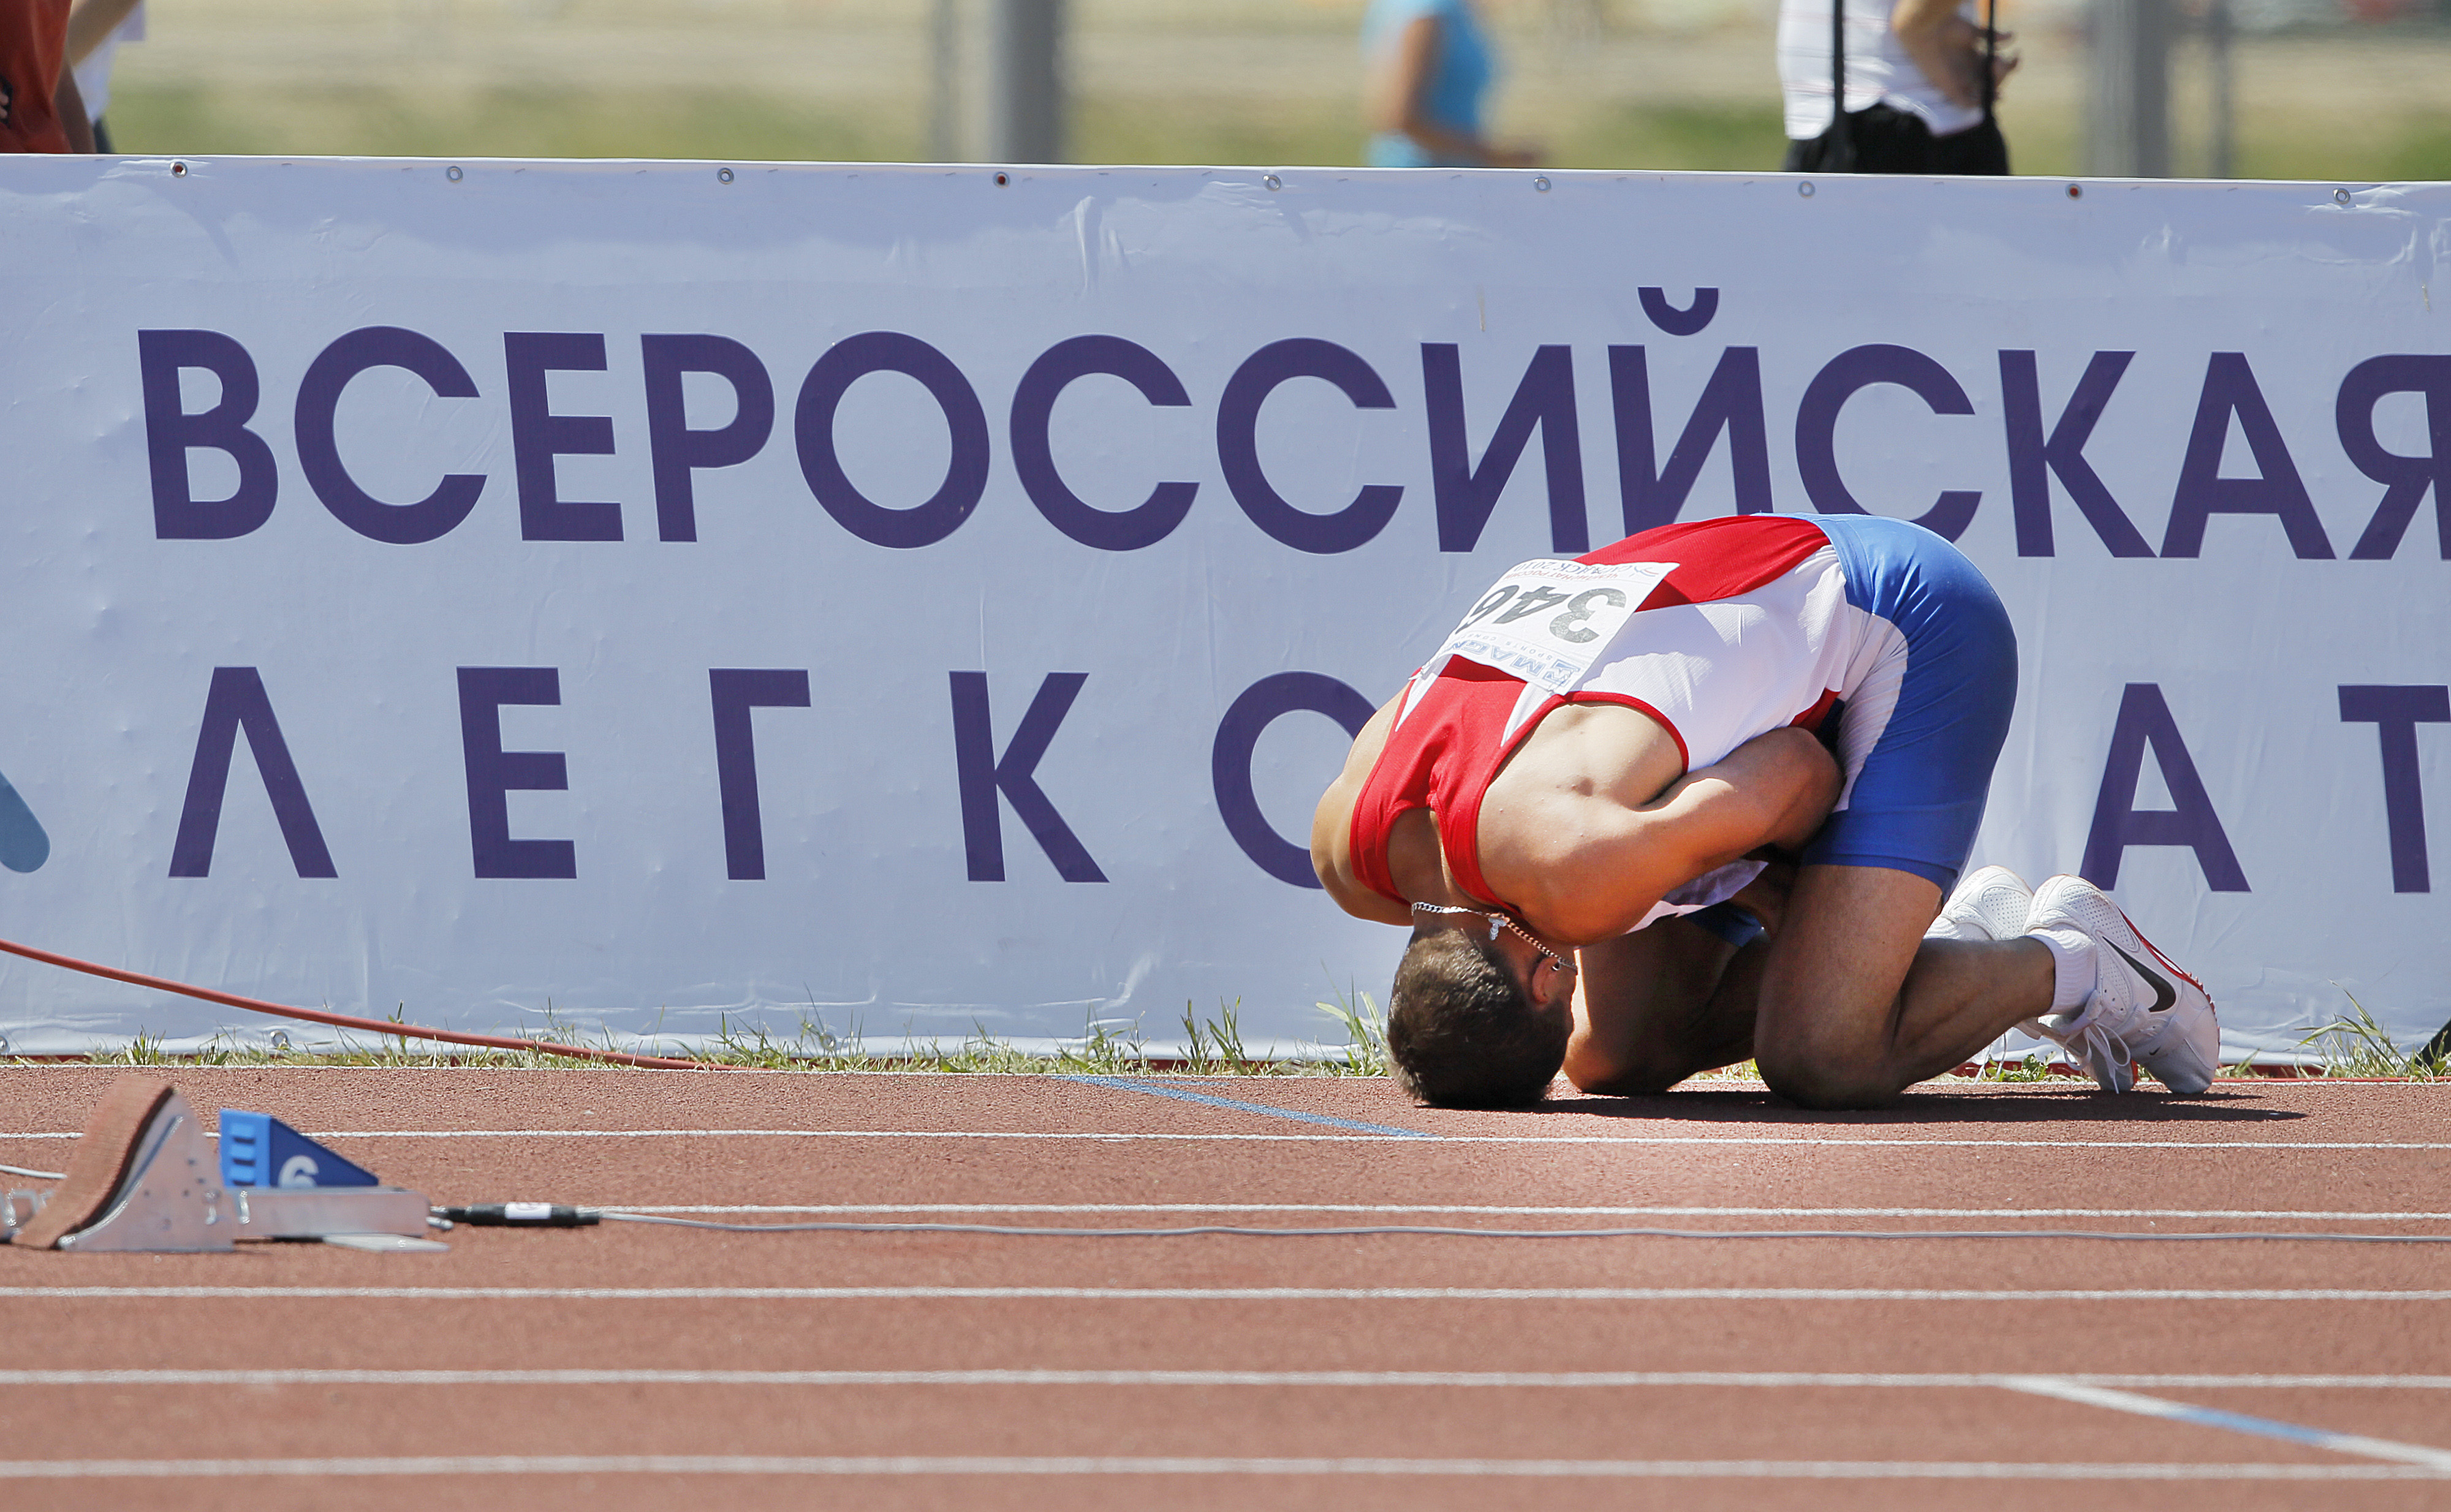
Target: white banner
(653,598)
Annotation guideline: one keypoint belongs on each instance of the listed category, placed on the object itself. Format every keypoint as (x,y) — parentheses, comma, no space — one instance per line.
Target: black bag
(1893,140)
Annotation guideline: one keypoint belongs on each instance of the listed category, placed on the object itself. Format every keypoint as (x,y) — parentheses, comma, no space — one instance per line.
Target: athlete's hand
(1796,772)
(1765,896)
(1943,45)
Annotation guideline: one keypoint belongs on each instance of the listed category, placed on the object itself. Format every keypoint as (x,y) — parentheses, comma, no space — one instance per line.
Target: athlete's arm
(91,22)
(1331,827)
(1592,870)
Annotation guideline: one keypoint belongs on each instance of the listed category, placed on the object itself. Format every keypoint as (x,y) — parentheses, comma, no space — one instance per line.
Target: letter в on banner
(171,431)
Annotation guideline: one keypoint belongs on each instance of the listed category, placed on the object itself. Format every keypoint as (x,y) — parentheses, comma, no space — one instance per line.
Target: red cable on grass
(385,1027)
(546,1046)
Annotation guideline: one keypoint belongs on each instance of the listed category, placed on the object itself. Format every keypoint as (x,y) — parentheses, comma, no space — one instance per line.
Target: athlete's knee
(1827,1071)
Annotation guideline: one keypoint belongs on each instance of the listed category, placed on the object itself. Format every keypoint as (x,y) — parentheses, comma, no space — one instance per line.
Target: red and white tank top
(1736,626)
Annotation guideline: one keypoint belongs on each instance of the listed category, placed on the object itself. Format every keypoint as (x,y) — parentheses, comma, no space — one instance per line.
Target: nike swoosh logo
(2164,995)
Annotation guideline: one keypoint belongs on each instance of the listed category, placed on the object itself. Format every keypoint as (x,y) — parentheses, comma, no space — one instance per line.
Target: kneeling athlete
(1586,803)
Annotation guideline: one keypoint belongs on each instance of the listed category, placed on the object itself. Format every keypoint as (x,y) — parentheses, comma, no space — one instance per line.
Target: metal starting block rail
(146,1181)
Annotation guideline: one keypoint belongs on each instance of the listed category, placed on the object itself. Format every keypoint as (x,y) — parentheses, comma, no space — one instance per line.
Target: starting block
(260,1150)
(143,1181)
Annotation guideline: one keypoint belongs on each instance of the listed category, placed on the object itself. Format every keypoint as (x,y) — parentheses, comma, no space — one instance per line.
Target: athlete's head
(1480,1011)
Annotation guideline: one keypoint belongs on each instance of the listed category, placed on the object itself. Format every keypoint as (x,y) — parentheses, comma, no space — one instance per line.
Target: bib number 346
(1547,621)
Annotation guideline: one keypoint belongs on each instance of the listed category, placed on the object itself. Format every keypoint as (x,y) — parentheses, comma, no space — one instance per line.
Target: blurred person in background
(96,28)
(40,110)
(1919,80)
(1429,65)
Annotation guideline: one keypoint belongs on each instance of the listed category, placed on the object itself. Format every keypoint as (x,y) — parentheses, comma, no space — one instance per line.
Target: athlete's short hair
(1462,1034)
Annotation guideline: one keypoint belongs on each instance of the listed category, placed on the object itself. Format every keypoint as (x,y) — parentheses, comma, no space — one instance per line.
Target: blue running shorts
(1933,712)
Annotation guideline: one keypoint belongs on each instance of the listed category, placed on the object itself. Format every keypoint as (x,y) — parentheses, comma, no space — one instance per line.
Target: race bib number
(1547,621)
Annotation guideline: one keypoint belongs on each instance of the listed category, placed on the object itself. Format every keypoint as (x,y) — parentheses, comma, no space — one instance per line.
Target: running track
(625,1366)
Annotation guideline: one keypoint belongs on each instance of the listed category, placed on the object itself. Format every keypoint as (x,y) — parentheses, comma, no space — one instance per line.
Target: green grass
(2352,1045)
(1733,137)
(2420,149)
(1215,130)
(740,125)
(1365,1032)
(1212,1047)
(731,125)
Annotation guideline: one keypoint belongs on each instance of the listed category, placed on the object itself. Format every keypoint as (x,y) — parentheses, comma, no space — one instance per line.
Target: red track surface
(2279,1151)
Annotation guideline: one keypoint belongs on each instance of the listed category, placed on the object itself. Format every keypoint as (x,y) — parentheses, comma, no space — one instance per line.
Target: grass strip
(2353,1046)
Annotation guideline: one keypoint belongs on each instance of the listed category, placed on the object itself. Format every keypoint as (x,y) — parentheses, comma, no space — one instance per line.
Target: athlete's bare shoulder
(1613,753)
(1331,826)
(1564,791)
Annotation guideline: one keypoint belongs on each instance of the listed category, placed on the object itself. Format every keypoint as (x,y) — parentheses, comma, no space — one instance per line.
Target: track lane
(2367,1337)
(747,1169)
(1998,1150)
(1684,1424)
(579,1490)
(58,1097)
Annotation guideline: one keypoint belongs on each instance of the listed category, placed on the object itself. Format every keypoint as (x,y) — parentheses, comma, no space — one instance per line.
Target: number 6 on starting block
(260,1150)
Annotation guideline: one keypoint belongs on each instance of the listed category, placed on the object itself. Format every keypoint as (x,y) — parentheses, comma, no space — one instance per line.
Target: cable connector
(16,1208)
(519,1215)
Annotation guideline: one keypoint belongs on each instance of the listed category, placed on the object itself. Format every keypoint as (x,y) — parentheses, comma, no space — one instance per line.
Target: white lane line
(2065,1387)
(1148,1088)
(1220,1294)
(1008,1465)
(1375,1140)
(2096,1396)
(1521,1212)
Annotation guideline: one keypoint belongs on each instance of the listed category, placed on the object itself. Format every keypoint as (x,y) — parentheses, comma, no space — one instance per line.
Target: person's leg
(1855,1005)
(1890,140)
(1978,149)
(1878,139)
(1654,1007)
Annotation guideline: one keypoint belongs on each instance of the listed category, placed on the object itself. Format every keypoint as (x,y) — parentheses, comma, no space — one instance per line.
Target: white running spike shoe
(1990,905)
(2144,1012)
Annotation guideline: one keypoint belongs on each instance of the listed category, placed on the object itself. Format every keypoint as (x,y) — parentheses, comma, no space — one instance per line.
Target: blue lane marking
(1123,1084)
(2261,1428)
(2065,1390)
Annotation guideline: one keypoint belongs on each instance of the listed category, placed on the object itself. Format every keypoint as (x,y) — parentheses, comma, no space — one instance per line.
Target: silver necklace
(1497,922)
